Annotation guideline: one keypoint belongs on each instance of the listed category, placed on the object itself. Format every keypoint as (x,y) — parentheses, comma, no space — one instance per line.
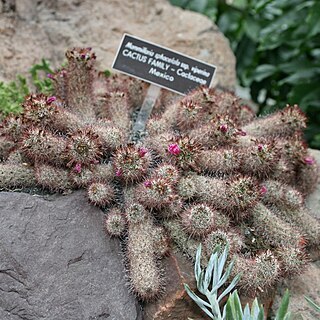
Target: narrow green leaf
(255,309)
(197,265)
(264,71)
(246,313)
(226,275)
(282,311)
(209,271)
(288,316)
(313,304)
(233,298)
(198,5)
(230,287)
(313,20)
(200,283)
(294,65)
(200,302)
(260,5)
(228,309)
(237,305)
(224,312)
(261,314)
(252,28)
(222,260)
(215,279)
(300,76)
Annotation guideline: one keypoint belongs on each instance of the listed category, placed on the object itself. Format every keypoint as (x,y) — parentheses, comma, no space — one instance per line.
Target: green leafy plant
(213,278)
(276,44)
(40,80)
(13,93)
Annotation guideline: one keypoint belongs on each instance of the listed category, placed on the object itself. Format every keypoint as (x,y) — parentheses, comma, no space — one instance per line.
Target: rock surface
(57,263)
(31,30)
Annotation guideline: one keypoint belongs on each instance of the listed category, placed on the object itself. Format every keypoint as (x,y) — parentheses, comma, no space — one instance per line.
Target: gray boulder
(56,262)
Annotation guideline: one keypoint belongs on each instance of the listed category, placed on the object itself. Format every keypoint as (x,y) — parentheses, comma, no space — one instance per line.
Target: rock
(57,263)
(31,30)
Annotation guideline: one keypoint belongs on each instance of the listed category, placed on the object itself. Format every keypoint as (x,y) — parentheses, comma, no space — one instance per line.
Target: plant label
(161,66)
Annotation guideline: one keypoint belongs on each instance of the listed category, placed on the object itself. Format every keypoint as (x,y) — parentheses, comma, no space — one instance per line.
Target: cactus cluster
(206,171)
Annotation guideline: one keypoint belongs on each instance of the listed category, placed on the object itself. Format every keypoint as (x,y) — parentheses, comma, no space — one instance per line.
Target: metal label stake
(145,111)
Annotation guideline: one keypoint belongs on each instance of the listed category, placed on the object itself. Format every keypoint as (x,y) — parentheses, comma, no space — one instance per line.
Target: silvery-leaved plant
(214,277)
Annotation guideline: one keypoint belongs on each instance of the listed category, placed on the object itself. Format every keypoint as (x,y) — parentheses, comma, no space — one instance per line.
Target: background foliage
(277,46)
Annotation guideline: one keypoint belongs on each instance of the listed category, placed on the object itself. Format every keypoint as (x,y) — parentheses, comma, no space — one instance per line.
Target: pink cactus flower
(49,75)
(174,149)
(263,190)
(142,151)
(223,128)
(260,147)
(119,173)
(77,168)
(51,99)
(147,184)
(309,160)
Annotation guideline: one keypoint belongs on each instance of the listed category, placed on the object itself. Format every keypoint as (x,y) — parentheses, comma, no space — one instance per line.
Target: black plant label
(161,66)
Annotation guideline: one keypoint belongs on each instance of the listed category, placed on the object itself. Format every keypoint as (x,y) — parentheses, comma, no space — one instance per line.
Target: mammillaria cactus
(206,171)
